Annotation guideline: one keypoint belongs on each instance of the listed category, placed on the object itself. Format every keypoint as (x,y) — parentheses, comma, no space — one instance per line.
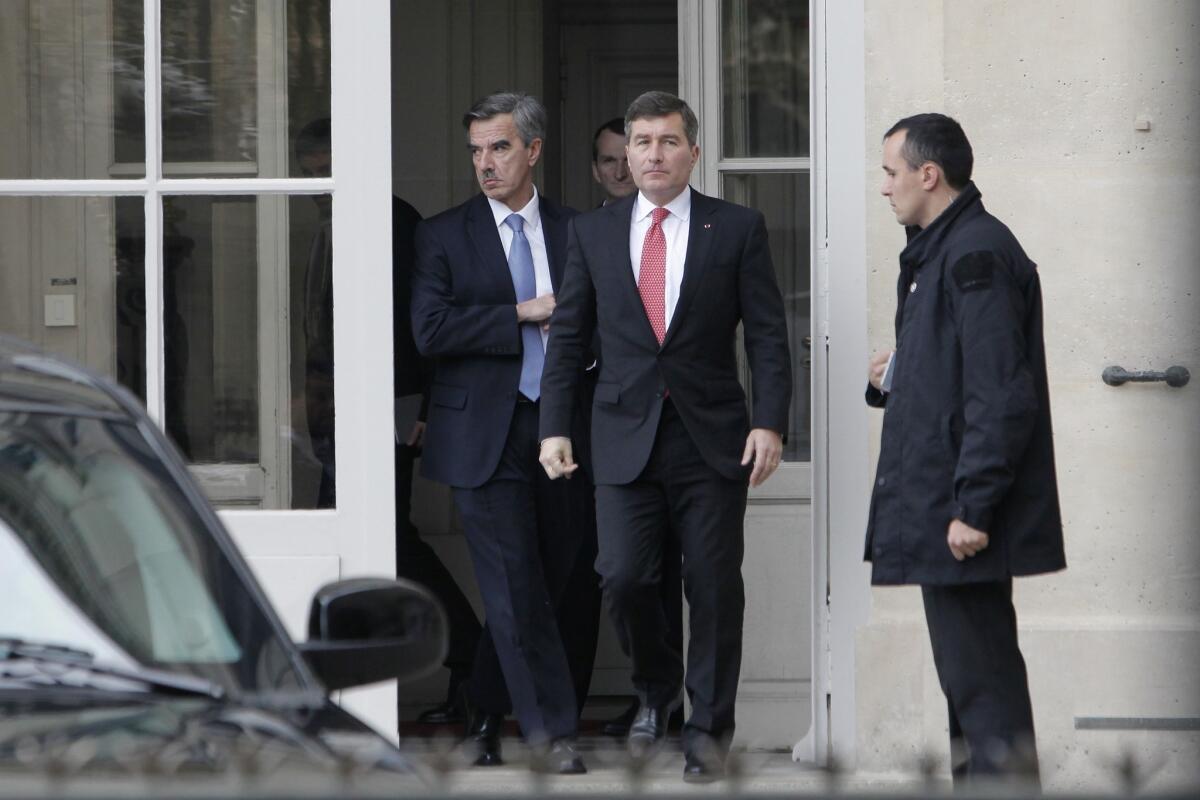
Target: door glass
(782,197)
(71,281)
(764,78)
(248,327)
(241,79)
(71,87)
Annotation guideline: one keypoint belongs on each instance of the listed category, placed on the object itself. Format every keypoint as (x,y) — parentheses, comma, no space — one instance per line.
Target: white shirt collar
(531,212)
(680,207)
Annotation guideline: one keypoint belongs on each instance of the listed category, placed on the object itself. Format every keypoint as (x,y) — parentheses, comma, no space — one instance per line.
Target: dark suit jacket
(410,372)
(727,279)
(464,315)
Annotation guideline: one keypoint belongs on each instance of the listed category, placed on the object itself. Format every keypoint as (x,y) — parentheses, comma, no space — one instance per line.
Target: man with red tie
(665,277)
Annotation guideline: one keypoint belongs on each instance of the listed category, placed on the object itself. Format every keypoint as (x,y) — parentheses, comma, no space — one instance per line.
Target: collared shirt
(537,242)
(675,231)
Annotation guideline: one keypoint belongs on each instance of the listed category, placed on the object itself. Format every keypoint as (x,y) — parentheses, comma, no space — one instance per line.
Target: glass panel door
(746,70)
(243,277)
(764,162)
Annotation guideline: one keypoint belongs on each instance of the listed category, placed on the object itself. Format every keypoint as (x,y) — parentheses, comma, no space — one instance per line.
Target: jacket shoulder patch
(973,272)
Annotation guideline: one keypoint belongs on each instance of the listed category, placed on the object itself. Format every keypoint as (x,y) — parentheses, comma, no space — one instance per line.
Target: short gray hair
(528,114)
(652,105)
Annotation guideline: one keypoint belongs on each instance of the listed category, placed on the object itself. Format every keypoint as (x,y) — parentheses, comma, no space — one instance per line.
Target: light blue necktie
(520,264)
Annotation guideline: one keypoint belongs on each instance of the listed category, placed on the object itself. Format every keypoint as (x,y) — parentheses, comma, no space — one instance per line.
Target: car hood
(81,744)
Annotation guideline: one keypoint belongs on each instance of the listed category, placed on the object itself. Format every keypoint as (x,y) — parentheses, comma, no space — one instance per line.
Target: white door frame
(839,108)
(840,456)
(358,536)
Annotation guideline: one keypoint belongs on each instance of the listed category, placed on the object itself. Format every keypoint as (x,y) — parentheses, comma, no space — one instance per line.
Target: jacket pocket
(443,394)
(608,392)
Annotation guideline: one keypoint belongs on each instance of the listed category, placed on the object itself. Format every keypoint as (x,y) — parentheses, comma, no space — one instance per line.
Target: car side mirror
(366,630)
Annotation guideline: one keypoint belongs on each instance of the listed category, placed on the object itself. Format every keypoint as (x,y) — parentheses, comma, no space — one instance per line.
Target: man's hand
(876,368)
(764,447)
(964,540)
(417,435)
(538,309)
(556,457)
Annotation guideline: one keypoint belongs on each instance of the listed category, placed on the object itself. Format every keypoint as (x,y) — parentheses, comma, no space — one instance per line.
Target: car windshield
(102,552)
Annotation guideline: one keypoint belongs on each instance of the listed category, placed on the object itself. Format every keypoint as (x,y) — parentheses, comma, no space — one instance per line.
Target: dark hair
(615,125)
(936,138)
(528,114)
(313,138)
(652,105)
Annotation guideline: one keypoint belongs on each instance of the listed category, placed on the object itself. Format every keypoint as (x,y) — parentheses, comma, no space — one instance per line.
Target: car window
(108,555)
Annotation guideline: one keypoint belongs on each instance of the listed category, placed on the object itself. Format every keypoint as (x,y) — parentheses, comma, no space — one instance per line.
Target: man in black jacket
(415,559)
(965,496)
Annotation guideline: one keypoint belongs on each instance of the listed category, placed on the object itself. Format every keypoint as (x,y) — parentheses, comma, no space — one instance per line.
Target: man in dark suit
(483,292)
(665,277)
(610,170)
(415,559)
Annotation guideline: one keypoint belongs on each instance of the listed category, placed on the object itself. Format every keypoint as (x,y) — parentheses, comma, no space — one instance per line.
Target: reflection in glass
(71,87)
(71,281)
(110,557)
(247,317)
(782,197)
(764,78)
(240,79)
(210,323)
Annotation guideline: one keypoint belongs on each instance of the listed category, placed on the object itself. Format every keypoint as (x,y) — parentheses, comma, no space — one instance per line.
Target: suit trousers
(416,561)
(678,495)
(973,630)
(523,545)
(575,592)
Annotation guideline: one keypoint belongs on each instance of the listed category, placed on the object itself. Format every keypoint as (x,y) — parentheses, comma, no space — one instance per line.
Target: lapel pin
(707,225)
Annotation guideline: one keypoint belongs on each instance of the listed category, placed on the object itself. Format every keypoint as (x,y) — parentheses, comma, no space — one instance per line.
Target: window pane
(71,87)
(71,280)
(248,337)
(764,78)
(241,79)
(782,197)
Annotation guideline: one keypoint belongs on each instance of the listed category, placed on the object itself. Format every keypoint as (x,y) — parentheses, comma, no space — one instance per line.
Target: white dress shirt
(537,242)
(675,231)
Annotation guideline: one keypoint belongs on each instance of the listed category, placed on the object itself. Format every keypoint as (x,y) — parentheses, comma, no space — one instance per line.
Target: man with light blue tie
(482,295)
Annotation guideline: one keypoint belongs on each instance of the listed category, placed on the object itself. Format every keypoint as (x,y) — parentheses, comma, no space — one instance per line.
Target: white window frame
(359,534)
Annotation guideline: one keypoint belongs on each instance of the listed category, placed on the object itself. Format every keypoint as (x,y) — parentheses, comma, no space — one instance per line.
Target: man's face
(660,157)
(610,169)
(503,164)
(903,186)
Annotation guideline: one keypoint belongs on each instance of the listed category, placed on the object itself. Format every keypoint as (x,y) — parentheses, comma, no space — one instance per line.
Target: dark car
(138,655)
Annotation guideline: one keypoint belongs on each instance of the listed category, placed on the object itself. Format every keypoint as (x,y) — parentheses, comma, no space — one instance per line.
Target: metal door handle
(1174,376)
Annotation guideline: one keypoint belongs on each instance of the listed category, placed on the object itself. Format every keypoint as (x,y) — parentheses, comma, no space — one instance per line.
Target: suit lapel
(485,238)
(554,234)
(700,237)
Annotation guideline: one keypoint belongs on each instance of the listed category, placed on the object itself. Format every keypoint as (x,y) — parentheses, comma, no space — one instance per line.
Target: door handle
(1174,377)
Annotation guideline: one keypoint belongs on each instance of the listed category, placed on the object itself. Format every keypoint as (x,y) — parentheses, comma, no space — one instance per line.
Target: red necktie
(652,274)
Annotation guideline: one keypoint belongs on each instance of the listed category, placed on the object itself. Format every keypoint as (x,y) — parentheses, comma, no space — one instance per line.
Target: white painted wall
(1049,93)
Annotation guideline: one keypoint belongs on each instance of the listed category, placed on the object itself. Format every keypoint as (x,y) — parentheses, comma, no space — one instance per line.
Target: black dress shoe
(648,729)
(564,759)
(484,738)
(619,725)
(448,713)
(701,769)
